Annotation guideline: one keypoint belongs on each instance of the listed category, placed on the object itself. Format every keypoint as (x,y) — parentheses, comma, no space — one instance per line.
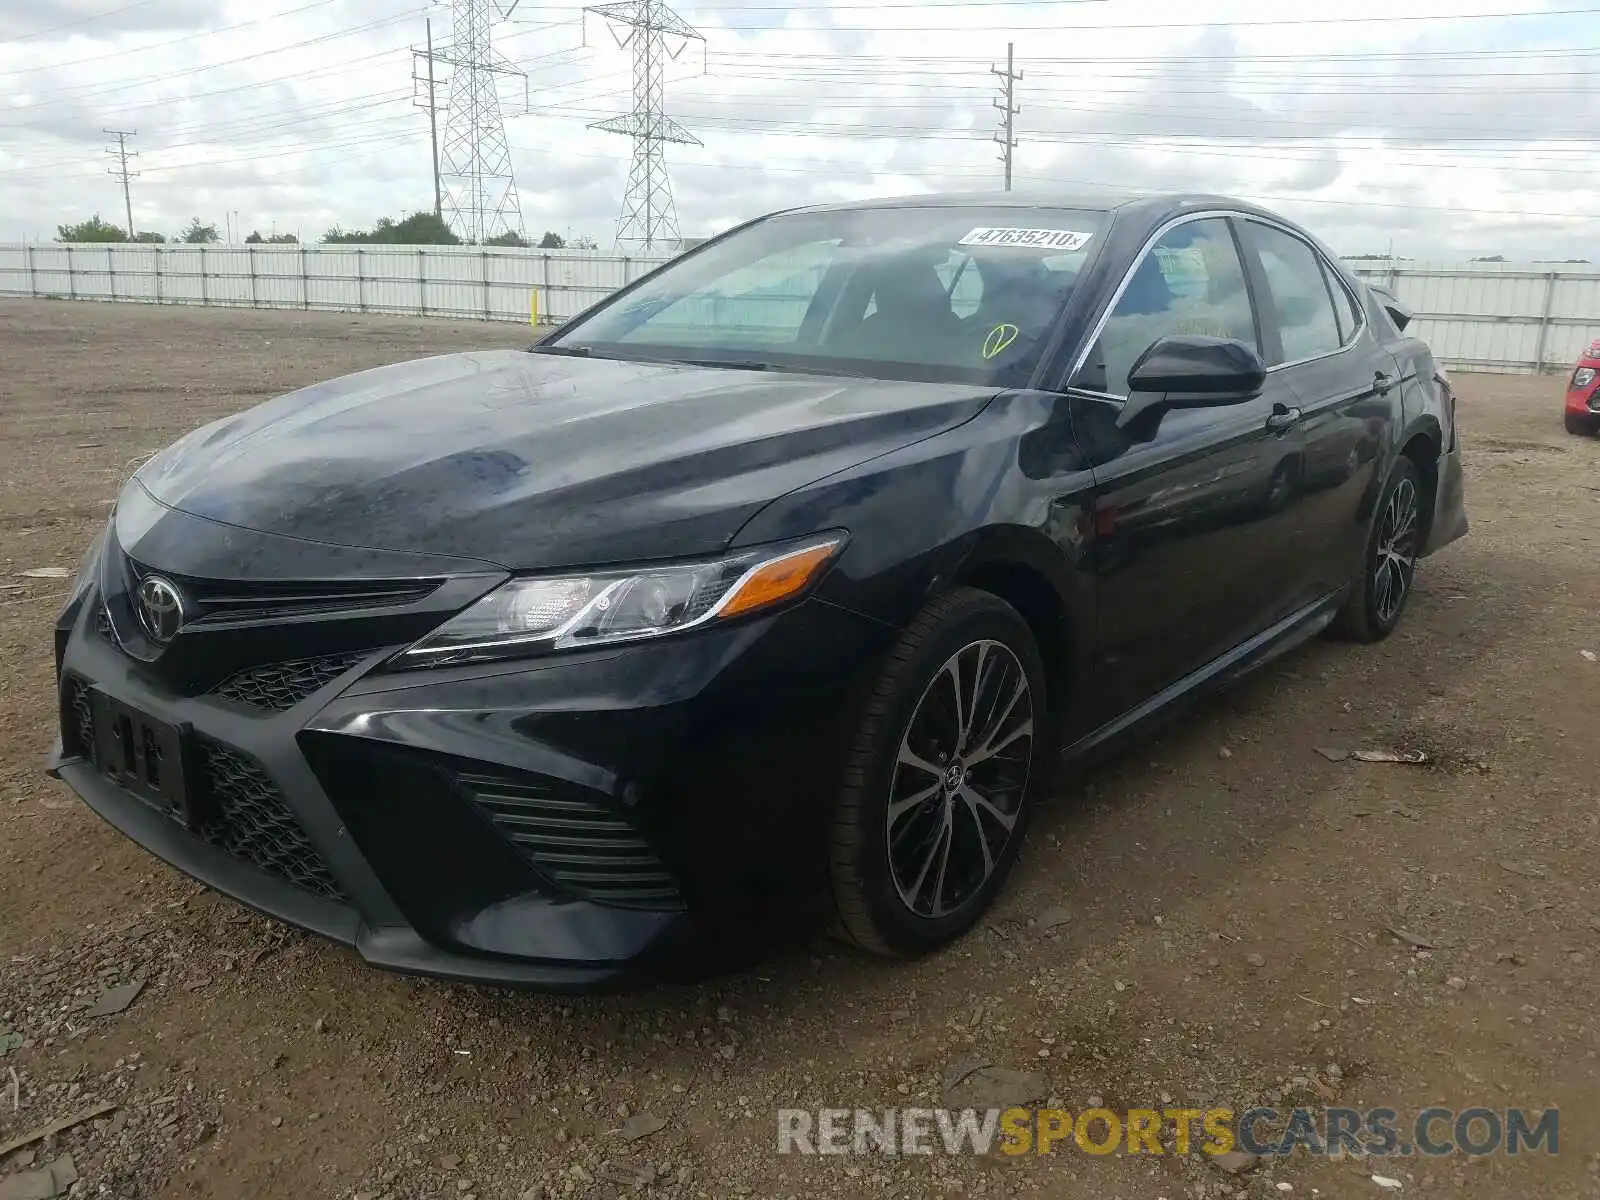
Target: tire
(1371,610)
(908,707)
(1581,424)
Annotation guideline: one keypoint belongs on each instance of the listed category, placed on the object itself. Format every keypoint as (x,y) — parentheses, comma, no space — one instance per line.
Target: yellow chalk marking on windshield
(999,338)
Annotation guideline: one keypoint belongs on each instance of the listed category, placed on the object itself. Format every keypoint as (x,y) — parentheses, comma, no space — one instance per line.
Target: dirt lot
(1227,894)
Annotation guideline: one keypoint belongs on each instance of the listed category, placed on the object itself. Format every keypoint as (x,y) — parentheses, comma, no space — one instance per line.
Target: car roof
(1155,204)
(1140,209)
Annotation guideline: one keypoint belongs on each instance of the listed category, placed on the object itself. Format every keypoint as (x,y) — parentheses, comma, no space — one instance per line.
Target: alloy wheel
(1395,561)
(958,783)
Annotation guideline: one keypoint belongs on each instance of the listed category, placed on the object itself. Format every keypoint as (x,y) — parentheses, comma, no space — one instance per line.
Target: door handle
(1281,417)
(1383,383)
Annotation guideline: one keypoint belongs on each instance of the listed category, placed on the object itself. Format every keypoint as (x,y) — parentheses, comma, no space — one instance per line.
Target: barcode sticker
(1035,239)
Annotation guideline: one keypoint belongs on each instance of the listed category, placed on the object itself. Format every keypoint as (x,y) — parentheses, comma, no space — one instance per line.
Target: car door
(1194,517)
(1346,385)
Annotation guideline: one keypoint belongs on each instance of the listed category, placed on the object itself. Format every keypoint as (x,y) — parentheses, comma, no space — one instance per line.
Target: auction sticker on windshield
(1042,239)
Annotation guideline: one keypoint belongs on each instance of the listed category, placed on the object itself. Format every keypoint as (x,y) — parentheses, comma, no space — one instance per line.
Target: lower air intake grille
(249,820)
(280,686)
(577,842)
(77,719)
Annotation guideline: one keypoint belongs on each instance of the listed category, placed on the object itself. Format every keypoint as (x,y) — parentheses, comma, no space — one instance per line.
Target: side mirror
(1192,371)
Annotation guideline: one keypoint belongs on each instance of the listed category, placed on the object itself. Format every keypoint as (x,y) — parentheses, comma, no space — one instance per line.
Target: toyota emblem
(160,609)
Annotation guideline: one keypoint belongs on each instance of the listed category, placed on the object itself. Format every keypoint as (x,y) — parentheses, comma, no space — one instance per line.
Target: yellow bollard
(533,308)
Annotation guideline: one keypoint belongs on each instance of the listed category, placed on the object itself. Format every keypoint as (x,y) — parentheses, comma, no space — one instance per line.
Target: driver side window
(1190,281)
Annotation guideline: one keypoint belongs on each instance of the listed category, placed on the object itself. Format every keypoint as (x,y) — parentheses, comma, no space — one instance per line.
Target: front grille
(102,624)
(248,819)
(280,686)
(219,600)
(578,843)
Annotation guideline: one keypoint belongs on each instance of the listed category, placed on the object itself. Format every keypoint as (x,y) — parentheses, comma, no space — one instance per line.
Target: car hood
(535,460)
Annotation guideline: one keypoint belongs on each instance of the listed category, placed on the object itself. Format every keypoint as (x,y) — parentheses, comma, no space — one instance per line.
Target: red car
(1583,392)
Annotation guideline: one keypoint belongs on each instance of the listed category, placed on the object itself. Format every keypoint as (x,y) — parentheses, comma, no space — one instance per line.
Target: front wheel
(936,785)
(1577,423)
(1378,597)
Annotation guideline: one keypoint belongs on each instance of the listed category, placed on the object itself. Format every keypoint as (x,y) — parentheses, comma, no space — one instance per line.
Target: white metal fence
(1484,316)
(486,283)
(1509,317)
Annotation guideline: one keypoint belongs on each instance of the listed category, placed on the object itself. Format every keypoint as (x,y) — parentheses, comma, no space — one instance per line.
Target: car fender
(956,507)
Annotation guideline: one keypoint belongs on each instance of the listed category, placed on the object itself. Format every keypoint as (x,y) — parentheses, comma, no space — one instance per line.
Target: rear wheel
(1577,423)
(1378,597)
(937,781)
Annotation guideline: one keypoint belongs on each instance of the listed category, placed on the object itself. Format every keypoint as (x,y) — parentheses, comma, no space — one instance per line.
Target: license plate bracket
(144,756)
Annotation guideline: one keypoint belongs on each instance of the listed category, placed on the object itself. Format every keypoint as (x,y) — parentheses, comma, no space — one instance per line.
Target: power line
(1538,126)
(1096,60)
(97,90)
(1359,83)
(188,37)
(1200,24)
(924,4)
(1455,143)
(90,19)
(1007,104)
(341,68)
(832,170)
(121,170)
(649,216)
(255,129)
(1331,125)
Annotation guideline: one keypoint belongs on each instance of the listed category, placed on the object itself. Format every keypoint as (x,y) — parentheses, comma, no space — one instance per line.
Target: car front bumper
(573,823)
(1584,402)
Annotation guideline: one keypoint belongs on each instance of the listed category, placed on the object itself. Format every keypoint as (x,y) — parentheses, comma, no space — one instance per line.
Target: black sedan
(765,590)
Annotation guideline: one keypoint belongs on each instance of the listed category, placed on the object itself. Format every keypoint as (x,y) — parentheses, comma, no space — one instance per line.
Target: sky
(1438,129)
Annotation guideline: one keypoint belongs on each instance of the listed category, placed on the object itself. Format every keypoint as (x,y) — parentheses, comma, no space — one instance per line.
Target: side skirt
(1295,629)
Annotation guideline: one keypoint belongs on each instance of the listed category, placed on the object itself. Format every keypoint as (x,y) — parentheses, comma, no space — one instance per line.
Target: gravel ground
(1205,921)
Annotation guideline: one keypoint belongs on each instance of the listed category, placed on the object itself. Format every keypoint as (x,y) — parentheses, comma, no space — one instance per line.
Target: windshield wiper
(732,364)
(569,351)
(737,364)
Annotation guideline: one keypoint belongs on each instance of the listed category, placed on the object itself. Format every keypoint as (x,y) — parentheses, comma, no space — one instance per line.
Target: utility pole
(120,171)
(1006,102)
(433,129)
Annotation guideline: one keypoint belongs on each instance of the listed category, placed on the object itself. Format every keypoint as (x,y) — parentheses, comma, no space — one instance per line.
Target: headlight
(531,616)
(1583,377)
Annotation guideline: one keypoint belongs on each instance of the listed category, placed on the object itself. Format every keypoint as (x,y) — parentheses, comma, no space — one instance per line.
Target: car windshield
(966,294)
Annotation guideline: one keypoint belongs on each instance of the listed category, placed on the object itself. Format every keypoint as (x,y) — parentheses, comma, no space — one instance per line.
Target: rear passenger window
(1307,323)
(1349,314)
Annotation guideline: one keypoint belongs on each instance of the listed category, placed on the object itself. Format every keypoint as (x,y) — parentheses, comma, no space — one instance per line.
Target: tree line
(418,229)
(426,229)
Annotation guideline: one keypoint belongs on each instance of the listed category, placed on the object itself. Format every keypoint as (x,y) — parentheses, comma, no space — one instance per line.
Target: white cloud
(1448,135)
